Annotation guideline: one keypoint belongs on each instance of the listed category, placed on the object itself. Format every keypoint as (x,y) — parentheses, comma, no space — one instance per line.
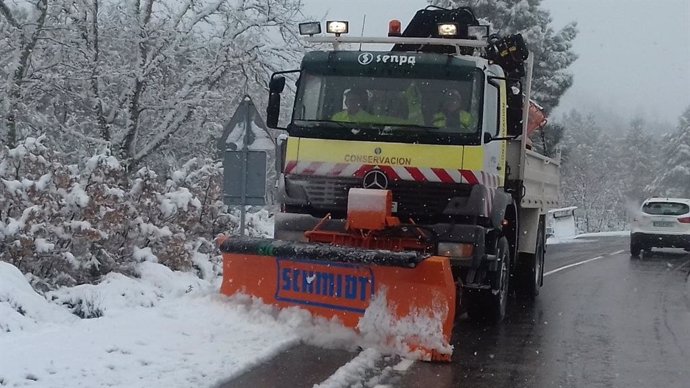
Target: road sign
(244,146)
(244,179)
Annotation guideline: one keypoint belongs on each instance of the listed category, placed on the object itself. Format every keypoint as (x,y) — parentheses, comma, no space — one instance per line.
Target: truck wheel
(490,305)
(498,295)
(531,268)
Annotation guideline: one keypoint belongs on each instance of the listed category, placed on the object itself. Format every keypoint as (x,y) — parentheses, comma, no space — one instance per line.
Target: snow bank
(165,328)
(189,342)
(117,294)
(21,308)
(583,238)
(622,233)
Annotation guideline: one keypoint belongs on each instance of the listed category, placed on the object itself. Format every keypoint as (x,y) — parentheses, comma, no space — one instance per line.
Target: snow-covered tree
(552,49)
(674,174)
(153,80)
(546,140)
(22,29)
(589,175)
(638,162)
(71,224)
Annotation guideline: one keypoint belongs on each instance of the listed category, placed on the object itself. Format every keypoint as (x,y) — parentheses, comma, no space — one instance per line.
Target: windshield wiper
(341,124)
(314,123)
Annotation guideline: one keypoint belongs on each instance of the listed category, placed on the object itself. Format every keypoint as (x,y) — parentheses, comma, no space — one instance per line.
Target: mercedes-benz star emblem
(375,179)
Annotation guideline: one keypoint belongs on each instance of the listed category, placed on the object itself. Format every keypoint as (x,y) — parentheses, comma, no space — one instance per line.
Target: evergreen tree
(638,164)
(552,49)
(588,175)
(547,139)
(674,176)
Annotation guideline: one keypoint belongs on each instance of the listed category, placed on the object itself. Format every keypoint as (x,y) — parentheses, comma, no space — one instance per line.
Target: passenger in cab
(357,111)
(452,115)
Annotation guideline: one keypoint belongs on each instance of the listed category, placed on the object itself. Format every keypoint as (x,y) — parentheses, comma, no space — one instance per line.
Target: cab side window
(491,110)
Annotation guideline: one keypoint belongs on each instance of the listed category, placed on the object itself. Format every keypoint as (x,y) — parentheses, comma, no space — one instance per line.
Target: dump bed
(541,178)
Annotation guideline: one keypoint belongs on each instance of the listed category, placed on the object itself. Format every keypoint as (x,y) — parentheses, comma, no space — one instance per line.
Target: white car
(661,222)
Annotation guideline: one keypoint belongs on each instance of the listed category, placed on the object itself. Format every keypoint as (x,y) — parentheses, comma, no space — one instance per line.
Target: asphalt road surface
(602,320)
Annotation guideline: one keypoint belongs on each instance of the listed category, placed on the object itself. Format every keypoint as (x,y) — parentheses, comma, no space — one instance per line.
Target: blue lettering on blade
(299,285)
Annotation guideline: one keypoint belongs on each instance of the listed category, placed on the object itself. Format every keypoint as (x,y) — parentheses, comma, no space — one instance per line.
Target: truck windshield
(390,108)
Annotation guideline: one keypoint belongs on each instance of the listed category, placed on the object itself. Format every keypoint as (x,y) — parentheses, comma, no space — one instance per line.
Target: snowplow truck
(408,193)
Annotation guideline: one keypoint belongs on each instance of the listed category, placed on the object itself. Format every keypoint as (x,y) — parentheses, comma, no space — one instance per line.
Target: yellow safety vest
(466,120)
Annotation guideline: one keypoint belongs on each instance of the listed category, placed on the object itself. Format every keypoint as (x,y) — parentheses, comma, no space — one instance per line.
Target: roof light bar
(478,32)
(310,28)
(337,27)
(448,29)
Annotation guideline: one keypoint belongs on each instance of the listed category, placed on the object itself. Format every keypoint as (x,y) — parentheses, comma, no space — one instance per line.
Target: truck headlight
(478,32)
(337,27)
(310,28)
(447,29)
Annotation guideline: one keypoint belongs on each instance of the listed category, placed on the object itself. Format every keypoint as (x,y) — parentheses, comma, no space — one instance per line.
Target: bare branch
(5,11)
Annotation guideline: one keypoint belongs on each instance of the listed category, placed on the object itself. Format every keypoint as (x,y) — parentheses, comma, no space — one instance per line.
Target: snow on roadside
(21,308)
(582,238)
(621,233)
(165,329)
(187,342)
(118,292)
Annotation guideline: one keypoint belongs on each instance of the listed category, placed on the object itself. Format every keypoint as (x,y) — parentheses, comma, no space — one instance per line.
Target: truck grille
(415,199)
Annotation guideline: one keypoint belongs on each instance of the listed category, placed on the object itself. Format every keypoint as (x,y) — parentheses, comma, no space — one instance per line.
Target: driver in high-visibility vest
(451,114)
(356,101)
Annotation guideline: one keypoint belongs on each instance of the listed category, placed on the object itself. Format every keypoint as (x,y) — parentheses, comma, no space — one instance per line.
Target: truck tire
(490,305)
(530,274)
(500,284)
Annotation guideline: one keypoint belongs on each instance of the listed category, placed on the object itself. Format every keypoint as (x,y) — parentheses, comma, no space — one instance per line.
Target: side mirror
(488,138)
(277,84)
(273,109)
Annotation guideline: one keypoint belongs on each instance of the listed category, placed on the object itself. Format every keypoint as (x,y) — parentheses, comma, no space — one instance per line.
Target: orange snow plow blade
(359,287)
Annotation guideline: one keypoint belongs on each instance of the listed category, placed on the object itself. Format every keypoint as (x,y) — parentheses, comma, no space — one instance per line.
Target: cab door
(494,123)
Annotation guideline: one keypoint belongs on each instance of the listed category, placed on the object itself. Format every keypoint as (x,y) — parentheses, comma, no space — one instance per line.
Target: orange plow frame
(408,291)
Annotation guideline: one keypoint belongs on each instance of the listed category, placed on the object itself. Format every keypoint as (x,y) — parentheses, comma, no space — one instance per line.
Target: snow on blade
(408,335)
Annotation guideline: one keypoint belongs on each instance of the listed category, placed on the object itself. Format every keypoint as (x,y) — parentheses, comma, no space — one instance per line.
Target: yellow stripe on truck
(292,150)
(385,154)
(473,158)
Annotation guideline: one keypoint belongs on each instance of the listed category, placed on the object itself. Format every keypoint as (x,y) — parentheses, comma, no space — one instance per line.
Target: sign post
(244,166)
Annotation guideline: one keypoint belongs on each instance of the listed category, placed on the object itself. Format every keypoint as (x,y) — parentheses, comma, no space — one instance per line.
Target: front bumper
(661,240)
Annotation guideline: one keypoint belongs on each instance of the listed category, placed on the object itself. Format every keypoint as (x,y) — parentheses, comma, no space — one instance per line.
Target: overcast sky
(634,55)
